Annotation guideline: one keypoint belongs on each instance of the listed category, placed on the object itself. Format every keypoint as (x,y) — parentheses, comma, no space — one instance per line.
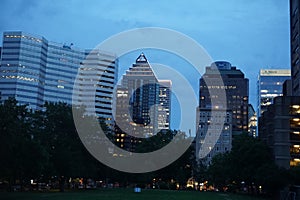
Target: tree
(21,153)
(180,170)
(250,163)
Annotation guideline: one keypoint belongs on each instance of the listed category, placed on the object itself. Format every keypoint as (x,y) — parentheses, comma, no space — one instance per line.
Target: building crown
(141,59)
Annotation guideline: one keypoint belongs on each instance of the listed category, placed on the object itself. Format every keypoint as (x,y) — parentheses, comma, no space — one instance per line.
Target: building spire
(141,59)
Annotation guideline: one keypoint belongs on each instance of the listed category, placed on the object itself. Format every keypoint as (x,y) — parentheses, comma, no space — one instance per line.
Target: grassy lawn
(123,194)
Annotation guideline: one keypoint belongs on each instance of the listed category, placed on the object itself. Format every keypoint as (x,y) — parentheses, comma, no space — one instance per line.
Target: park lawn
(123,194)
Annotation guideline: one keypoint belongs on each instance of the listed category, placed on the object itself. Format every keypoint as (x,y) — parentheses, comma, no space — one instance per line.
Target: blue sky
(249,34)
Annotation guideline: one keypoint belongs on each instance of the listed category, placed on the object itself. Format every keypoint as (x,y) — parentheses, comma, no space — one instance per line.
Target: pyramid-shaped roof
(141,59)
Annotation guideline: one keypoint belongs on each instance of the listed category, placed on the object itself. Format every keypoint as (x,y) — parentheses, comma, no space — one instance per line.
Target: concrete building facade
(280,129)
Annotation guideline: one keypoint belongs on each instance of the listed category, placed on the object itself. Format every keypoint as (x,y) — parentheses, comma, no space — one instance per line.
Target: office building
(280,129)
(219,116)
(270,85)
(142,105)
(23,68)
(164,108)
(252,126)
(295,45)
(97,76)
(214,134)
(236,87)
(34,71)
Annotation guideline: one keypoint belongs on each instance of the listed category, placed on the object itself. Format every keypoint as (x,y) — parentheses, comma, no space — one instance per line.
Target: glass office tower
(23,68)
(34,71)
(269,86)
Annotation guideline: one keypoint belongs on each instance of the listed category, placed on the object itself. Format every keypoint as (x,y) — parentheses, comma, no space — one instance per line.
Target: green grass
(123,194)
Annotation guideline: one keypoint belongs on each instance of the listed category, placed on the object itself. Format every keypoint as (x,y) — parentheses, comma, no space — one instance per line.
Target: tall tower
(143,89)
(23,68)
(295,45)
(142,104)
(222,111)
(34,71)
(236,87)
(61,69)
(97,76)
(270,85)
(164,109)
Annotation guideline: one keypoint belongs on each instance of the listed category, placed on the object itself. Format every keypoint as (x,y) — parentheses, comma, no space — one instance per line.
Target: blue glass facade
(23,68)
(269,86)
(62,66)
(142,105)
(35,71)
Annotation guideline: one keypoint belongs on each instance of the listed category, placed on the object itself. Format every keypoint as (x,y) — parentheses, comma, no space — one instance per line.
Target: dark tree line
(41,145)
(249,167)
(44,145)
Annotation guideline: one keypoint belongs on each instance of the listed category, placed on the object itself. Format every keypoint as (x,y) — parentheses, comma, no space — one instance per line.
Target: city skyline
(245,28)
(181,95)
(162,74)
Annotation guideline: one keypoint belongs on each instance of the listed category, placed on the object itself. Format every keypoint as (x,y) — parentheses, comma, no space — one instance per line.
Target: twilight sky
(249,34)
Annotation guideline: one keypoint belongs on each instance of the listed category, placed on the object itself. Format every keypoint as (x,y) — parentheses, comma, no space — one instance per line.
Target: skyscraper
(219,116)
(34,71)
(295,45)
(164,108)
(97,76)
(236,87)
(142,104)
(270,85)
(23,68)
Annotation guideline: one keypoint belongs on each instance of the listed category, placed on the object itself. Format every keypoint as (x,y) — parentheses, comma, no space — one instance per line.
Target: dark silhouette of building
(280,129)
(287,89)
(295,45)
(222,111)
(236,87)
